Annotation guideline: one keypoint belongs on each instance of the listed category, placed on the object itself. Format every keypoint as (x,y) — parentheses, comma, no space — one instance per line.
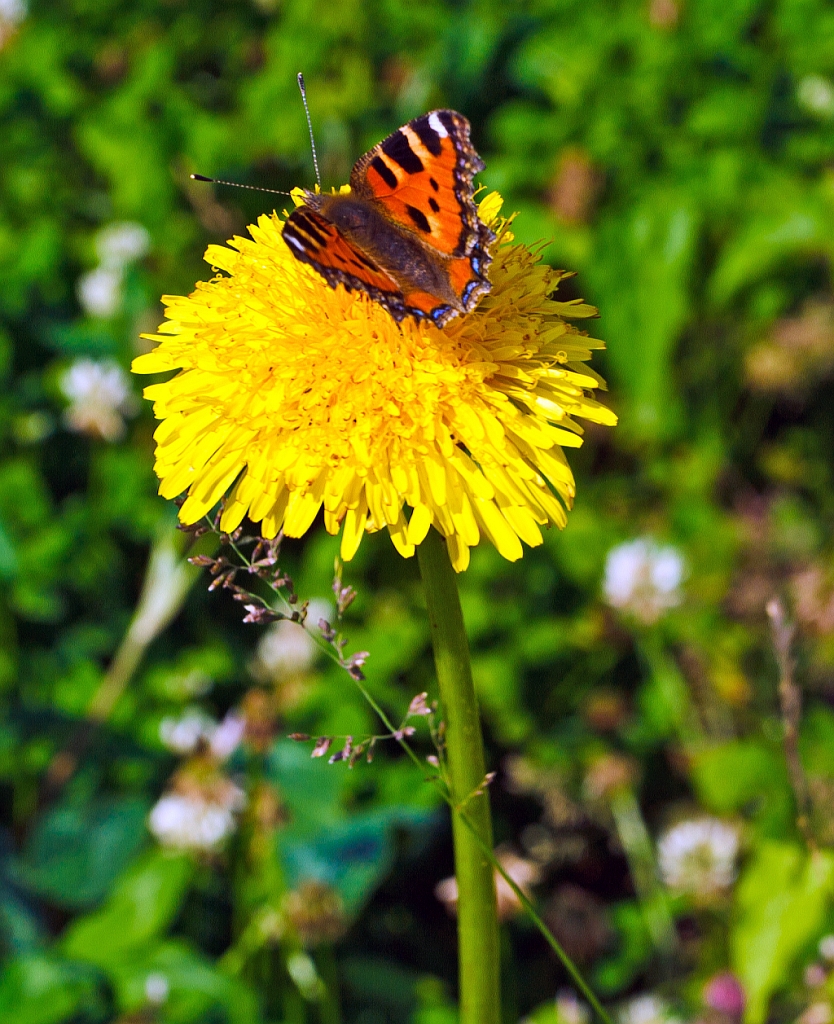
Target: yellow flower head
(300,397)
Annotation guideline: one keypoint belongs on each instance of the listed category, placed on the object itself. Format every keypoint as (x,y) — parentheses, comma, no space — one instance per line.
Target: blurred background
(665,789)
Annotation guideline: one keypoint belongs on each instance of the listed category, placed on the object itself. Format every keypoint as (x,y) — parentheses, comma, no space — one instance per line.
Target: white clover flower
(194,727)
(182,735)
(100,291)
(318,609)
(287,649)
(226,737)
(121,243)
(569,1010)
(647,1009)
(13,10)
(699,856)
(643,578)
(156,988)
(816,95)
(819,1012)
(194,820)
(99,395)
(12,13)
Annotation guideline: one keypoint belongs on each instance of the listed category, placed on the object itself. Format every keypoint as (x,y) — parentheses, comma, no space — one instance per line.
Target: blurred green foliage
(679,154)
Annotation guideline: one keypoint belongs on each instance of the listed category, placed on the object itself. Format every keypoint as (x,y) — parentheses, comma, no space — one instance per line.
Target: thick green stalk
(478,951)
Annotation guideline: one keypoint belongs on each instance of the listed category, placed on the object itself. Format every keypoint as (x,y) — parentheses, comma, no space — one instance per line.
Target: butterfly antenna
(237,184)
(303,89)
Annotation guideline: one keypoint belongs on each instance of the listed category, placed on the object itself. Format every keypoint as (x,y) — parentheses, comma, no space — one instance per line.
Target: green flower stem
(531,912)
(168,579)
(330,1012)
(478,950)
(637,844)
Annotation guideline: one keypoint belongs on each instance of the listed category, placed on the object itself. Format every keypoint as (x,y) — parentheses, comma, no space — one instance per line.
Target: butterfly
(408,232)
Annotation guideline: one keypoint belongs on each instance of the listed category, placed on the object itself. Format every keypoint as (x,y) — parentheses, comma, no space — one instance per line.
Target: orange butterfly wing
(417,245)
(422,176)
(314,240)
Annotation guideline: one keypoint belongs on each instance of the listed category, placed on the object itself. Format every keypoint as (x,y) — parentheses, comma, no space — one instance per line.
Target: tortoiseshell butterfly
(408,233)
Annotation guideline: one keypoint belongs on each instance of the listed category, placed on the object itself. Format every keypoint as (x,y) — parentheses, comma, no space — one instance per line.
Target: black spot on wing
(292,237)
(427,135)
(398,149)
(299,244)
(419,218)
(303,222)
(433,203)
(384,171)
(364,261)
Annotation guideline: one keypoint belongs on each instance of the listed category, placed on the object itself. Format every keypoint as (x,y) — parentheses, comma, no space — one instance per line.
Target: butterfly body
(408,233)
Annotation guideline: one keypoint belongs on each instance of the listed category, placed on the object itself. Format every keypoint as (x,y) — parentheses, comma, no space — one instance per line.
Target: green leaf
(817,742)
(312,793)
(663,698)
(634,949)
(782,900)
(42,990)
(194,986)
(75,854)
(141,906)
(435,1006)
(8,555)
(353,856)
(730,775)
(791,225)
(640,275)
(20,928)
(376,979)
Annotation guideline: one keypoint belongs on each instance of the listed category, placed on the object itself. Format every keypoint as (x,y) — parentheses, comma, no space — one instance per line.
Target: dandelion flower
(293,397)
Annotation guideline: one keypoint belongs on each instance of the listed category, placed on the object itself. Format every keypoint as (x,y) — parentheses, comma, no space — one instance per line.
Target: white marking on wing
(438,126)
